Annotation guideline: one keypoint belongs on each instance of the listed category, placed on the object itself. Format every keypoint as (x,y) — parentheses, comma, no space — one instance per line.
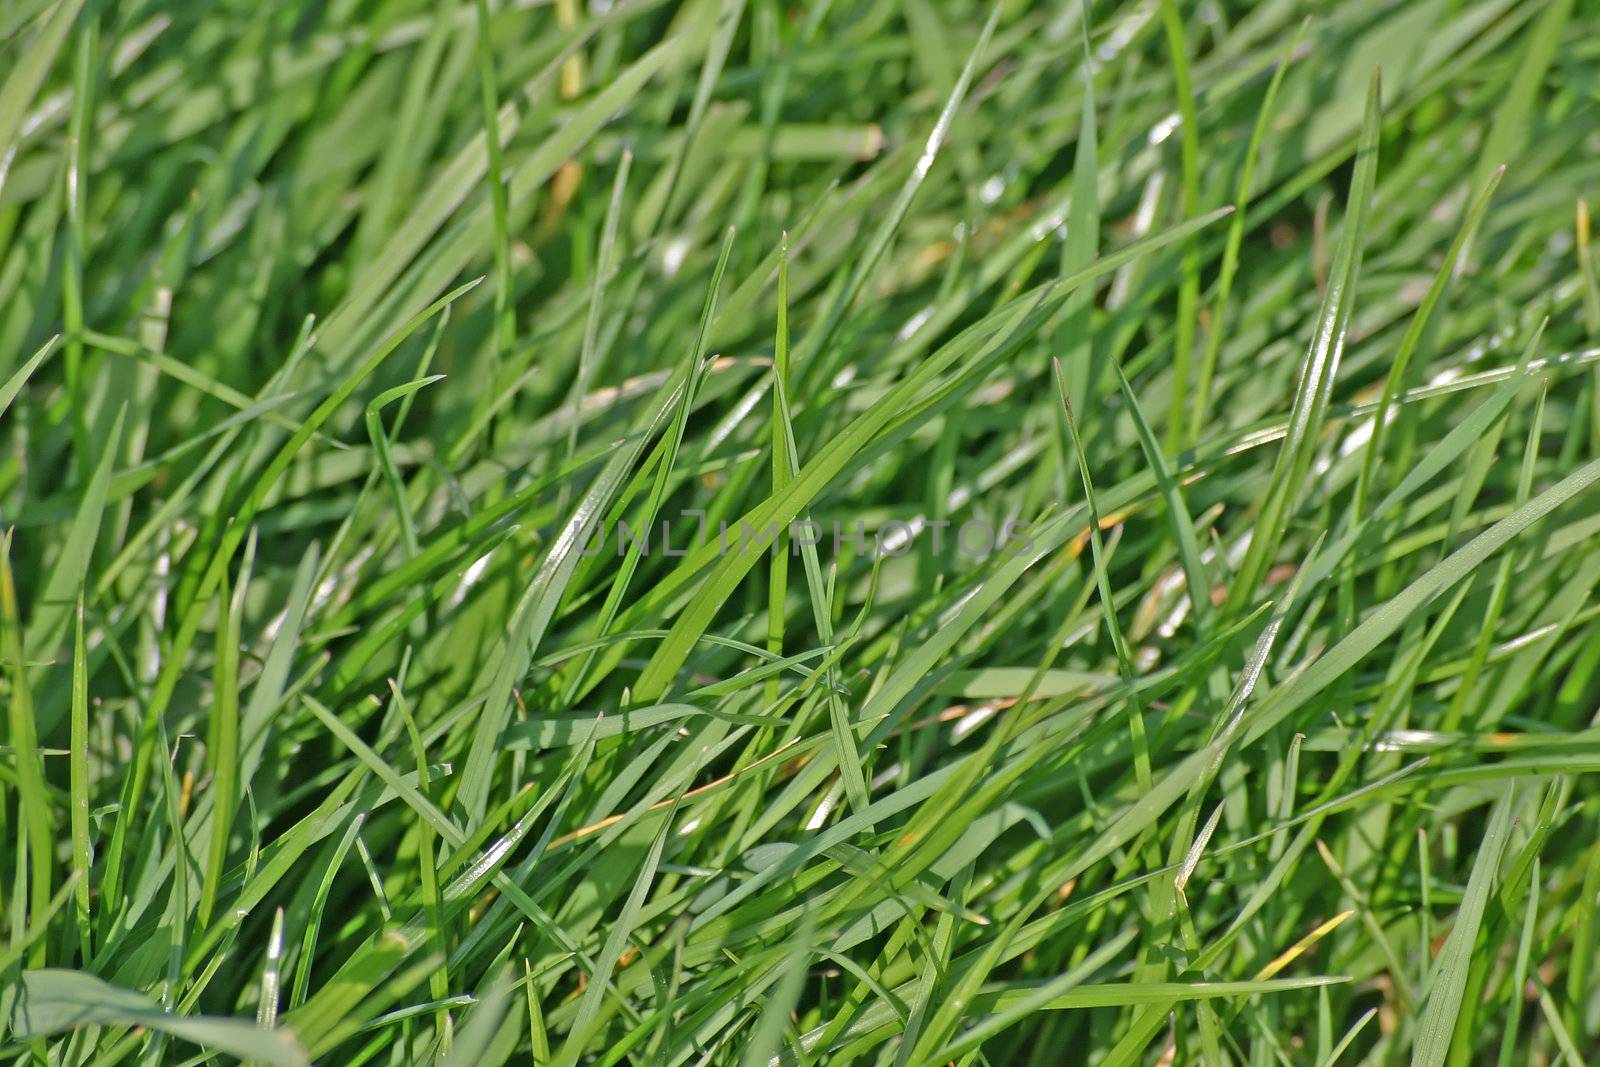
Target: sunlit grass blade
(1317,374)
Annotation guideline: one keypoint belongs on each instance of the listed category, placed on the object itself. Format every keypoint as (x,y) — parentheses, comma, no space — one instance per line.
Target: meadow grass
(905,532)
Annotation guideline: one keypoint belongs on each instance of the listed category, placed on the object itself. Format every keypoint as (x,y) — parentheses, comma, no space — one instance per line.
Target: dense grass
(331,334)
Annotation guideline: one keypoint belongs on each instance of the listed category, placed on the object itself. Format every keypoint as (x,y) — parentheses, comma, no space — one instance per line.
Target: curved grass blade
(53,1001)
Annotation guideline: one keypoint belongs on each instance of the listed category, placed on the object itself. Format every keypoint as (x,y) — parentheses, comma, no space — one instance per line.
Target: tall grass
(762,533)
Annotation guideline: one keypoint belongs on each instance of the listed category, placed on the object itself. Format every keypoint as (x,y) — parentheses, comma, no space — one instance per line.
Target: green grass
(1232,371)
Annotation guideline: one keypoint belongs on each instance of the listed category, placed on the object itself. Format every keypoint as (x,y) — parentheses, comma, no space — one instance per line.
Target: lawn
(761,532)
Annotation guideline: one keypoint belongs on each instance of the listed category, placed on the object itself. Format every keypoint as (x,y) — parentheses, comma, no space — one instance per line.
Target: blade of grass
(79,785)
(222,742)
(1189,161)
(33,795)
(1317,374)
(1080,247)
(1436,1027)
(1108,603)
